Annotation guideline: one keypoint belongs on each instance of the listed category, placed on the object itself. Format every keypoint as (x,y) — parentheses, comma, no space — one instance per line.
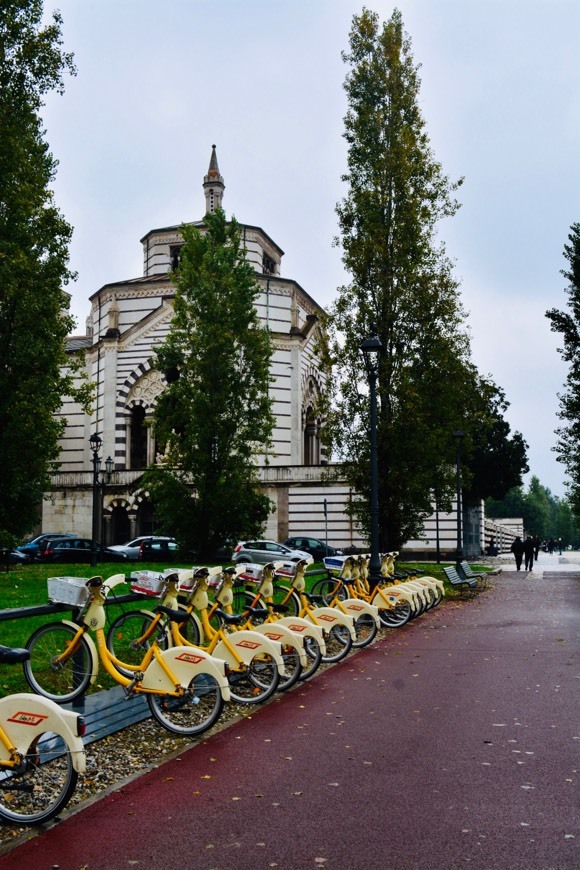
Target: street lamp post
(371,348)
(98,485)
(458,437)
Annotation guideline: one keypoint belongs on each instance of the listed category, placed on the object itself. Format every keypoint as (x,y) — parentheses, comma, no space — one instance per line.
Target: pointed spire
(213,184)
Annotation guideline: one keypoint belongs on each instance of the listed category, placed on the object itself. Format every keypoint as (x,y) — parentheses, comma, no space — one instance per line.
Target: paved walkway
(452,743)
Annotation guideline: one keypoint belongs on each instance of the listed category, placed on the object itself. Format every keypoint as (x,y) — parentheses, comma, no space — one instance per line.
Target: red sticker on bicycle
(325,617)
(297,627)
(23,718)
(273,636)
(249,644)
(355,607)
(190,658)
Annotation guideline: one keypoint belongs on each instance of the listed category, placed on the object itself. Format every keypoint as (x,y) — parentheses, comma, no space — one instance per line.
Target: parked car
(318,549)
(32,549)
(153,544)
(12,557)
(159,550)
(263,552)
(78,550)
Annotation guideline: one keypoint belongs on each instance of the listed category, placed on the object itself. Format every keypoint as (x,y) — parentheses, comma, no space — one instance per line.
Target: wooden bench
(456,580)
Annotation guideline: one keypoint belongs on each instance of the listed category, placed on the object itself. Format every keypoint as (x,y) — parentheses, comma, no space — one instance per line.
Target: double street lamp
(100,479)
(371,348)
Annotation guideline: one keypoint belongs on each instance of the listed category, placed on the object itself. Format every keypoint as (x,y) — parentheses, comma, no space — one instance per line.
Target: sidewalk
(452,743)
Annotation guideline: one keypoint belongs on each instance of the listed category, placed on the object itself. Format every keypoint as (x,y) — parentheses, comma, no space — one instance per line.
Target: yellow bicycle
(185,688)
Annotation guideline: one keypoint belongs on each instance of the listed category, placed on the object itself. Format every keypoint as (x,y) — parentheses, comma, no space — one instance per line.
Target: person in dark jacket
(517,549)
(529,553)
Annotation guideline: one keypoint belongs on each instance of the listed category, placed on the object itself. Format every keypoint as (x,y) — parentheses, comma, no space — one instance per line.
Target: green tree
(497,458)
(402,281)
(215,416)
(568,323)
(34,239)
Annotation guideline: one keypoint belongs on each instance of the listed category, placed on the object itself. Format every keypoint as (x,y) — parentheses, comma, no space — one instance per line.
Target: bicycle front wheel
(39,788)
(397,616)
(130,636)
(292,666)
(255,682)
(192,713)
(329,589)
(287,601)
(60,681)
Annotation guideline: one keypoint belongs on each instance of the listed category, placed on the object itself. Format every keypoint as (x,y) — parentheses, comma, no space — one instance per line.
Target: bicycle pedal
(134,682)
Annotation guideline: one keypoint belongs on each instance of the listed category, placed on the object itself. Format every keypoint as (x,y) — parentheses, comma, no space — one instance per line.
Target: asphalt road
(452,743)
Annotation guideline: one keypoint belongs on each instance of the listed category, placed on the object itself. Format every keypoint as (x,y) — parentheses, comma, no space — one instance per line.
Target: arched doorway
(145,519)
(120,525)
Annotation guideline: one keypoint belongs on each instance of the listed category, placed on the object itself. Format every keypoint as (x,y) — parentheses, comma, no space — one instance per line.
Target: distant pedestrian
(537,545)
(517,549)
(529,553)
(560,545)
(551,545)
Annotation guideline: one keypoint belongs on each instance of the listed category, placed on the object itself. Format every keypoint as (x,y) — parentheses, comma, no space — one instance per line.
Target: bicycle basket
(67,590)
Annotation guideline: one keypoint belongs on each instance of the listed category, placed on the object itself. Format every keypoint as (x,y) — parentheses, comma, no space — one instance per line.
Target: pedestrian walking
(517,549)
(537,544)
(529,553)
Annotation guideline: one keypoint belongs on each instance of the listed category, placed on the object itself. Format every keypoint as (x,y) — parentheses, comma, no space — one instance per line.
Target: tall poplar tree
(34,239)
(568,323)
(402,281)
(216,414)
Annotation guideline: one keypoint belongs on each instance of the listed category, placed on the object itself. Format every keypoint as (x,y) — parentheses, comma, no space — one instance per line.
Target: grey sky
(158,84)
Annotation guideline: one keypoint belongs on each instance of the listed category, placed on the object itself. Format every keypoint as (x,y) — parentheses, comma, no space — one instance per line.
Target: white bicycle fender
(24,716)
(92,648)
(418,589)
(304,627)
(328,617)
(284,635)
(356,607)
(247,644)
(185,662)
(435,582)
(390,595)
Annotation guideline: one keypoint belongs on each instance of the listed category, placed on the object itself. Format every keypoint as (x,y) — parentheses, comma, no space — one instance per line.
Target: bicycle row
(258,632)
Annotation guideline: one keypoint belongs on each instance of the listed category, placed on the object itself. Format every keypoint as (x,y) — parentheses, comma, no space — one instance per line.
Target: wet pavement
(451,743)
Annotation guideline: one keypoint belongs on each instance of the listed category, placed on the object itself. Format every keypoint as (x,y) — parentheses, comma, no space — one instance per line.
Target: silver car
(263,552)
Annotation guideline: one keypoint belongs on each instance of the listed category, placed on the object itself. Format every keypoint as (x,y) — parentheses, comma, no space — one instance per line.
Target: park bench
(456,580)
(464,570)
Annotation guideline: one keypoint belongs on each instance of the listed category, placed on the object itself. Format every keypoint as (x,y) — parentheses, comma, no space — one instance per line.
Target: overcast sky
(159,83)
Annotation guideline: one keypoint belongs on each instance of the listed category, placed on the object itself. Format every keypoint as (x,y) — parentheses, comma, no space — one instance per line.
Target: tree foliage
(568,324)
(403,282)
(34,239)
(215,415)
(543,514)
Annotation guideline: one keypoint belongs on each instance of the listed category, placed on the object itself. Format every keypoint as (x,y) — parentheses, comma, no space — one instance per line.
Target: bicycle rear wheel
(365,629)
(64,681)
(314,654)
(338,643)
(41,786)
(192,713)
(398,616)
(255,682)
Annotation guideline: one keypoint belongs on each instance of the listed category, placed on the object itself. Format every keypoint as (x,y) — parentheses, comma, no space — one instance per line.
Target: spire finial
(213,184)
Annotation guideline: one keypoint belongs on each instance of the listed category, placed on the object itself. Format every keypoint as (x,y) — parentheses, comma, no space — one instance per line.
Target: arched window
(138,438)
